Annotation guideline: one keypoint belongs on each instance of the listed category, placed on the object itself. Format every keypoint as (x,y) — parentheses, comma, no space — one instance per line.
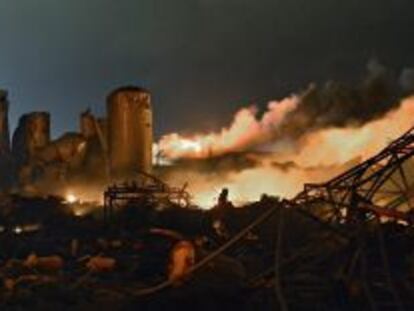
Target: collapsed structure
(121,142)
(345,244)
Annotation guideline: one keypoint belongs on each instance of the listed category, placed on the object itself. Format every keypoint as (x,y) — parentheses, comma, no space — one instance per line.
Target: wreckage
(104,150)
(341,245)
(344,244)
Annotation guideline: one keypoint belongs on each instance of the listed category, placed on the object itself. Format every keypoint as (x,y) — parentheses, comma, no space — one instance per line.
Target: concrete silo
(129,115)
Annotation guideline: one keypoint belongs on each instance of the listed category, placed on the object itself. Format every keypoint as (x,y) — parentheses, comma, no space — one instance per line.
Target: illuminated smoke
(333,104)
(245,132)
(289,161)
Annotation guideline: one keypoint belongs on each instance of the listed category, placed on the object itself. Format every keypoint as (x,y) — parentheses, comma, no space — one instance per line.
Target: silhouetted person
(221,214)
(223,199)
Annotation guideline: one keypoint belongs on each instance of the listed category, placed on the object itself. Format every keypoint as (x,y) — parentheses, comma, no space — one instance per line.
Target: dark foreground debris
(335,267)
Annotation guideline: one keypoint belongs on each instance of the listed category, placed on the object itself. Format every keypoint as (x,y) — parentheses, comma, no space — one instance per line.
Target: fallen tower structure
(346,259)
(359,256)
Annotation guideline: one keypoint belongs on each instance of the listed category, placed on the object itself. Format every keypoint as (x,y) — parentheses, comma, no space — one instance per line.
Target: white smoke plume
(288,163)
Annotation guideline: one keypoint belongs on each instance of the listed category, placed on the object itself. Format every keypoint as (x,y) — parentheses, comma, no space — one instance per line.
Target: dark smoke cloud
(337,104)
(407,80)
(206,58)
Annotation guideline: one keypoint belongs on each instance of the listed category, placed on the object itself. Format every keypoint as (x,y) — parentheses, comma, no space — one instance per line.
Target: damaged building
(114,147)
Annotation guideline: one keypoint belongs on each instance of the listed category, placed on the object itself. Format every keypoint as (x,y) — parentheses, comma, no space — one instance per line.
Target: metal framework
(382,186)
(378,189)
(146,189)
(351,247)
(356,203)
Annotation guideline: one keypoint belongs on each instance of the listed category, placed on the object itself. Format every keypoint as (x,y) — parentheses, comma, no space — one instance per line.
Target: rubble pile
(316,264)
(346,244)
(86,264)
(342,245)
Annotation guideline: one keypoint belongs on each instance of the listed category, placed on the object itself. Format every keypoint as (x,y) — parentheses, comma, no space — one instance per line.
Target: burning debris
(334,123)
(343,244)
(251,238)
(281,166)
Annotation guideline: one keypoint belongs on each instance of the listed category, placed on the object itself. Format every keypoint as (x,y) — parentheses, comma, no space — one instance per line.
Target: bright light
(71,198)
(18,230)
(78,213)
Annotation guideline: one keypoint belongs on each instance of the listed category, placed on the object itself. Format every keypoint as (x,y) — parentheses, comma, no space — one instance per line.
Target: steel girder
(382,186)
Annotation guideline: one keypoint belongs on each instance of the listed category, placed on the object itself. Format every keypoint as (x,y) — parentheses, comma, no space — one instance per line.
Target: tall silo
(129,132)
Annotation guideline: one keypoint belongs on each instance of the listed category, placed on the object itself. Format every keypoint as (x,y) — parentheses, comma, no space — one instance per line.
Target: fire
(339,145)
(312,157)
(71,198)
(80,192)
(250,184)
(193,146)
(83,202)
(245,132)
(78,212)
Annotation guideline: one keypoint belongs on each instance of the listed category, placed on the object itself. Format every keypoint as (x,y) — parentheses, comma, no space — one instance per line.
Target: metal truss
(345,252)
(146,189)
(382,186)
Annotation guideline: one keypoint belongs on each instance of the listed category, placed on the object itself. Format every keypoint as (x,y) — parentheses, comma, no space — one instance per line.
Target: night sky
(201,59)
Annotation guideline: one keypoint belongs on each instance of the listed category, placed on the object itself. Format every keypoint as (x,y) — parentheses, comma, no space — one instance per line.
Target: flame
(83,202)
(78,212)
(338,145)
(71,198)
(250,184)
(82,193)
(315,156)
(245,132)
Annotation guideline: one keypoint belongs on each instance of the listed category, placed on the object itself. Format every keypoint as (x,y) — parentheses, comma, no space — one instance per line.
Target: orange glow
(314,157)
(71,198)
(83,194)
(338,145)
(245,132)
(83,202)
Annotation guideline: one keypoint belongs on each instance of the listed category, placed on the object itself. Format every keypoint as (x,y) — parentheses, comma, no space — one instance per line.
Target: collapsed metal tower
(352,209)
(382,186)
(351,247)
(347,258)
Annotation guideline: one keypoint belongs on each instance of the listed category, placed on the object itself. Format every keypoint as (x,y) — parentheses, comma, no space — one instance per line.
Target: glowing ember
(18,230)
(78,212)
(71,198)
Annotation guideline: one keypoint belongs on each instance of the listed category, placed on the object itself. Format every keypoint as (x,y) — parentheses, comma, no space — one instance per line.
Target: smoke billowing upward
(337,104)
(308,137)
(246,132)
(333,104)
